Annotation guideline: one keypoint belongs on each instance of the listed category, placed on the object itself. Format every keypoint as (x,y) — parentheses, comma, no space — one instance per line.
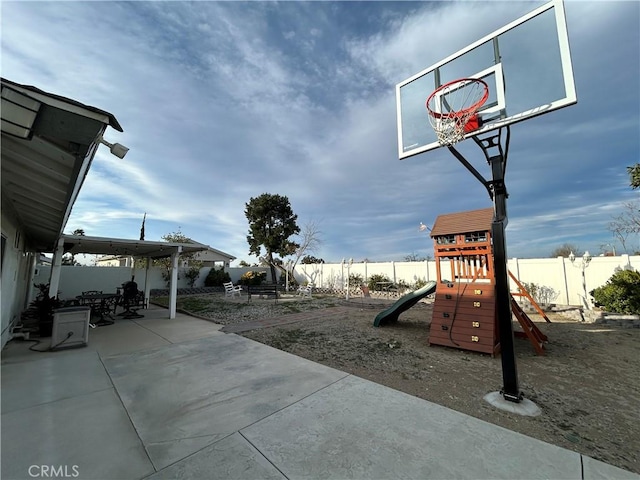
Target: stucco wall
(17,266)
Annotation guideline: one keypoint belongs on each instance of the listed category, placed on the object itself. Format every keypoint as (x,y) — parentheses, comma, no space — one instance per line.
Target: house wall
(113,262)
(17,265)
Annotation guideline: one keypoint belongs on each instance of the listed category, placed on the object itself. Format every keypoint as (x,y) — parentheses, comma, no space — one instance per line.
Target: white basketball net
(451,107)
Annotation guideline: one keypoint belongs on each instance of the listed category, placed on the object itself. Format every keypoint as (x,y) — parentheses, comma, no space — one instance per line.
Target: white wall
(557,273)
(17,264)
(74,280)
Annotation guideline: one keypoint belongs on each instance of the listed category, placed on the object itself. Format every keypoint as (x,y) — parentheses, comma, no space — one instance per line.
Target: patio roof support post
(173,288)
(147,287)
(56,267)
(33,261)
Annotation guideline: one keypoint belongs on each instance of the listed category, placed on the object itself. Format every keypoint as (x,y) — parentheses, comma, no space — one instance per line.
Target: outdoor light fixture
(348,265)
(115,148)
(586,259)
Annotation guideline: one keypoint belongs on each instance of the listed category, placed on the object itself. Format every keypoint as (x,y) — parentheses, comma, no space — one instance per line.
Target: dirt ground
(587,385)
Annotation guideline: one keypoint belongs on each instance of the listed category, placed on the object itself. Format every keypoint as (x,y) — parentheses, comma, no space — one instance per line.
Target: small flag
(142,228)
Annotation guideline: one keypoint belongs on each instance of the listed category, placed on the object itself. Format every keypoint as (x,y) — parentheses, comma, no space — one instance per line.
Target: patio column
(173,287)
(56,266)
(147,286)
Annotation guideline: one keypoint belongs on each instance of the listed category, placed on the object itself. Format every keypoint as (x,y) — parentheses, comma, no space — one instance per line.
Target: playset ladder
(522,292)
(530,330)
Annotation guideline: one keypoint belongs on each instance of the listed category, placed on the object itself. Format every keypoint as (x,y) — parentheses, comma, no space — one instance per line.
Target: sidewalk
(164,399)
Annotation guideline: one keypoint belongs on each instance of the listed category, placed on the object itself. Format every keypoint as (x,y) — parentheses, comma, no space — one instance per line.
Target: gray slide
(403,304)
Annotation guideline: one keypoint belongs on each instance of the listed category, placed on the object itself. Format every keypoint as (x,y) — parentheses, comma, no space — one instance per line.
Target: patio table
(100,304)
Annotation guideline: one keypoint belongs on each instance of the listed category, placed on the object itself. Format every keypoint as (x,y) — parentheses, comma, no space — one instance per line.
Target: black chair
(132,300)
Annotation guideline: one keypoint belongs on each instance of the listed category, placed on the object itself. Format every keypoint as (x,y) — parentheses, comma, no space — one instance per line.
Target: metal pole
(510,390)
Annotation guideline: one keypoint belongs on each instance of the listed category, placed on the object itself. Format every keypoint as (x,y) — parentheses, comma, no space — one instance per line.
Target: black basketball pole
(510,390)
(498,193)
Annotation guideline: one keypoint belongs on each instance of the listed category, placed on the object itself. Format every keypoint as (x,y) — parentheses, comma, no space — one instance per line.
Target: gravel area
(227,311)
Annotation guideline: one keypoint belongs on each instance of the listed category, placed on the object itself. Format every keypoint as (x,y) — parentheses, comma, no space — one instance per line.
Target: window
(475,237)
(445,239)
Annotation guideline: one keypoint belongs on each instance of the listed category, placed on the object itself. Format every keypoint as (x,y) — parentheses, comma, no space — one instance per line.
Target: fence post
(566,282)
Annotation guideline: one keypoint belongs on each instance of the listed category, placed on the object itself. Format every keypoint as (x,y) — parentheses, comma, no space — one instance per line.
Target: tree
(242,263)
(72,261)
(414,257)
(634,175)
(178,237)
(271,224)
(142,227)
(565,250)
(628,222)
(310,260)
(165,263)
(69,259)
(310,241)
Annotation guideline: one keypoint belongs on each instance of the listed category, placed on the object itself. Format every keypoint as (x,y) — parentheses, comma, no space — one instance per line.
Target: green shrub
(216,277)
(419,283)
(621,293)
(192,275)
(252,278)
(355,279)
(374,279)
(542,294)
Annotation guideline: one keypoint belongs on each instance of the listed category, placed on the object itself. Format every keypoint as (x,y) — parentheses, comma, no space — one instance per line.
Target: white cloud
(222,101)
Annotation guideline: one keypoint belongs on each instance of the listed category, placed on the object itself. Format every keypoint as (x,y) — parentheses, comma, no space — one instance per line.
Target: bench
(230,289)
(268,290)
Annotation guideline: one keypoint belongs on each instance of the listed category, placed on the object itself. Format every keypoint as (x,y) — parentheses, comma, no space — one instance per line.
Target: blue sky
(224,101)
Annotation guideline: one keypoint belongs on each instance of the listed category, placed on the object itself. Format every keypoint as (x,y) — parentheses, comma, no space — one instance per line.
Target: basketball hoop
(453,108)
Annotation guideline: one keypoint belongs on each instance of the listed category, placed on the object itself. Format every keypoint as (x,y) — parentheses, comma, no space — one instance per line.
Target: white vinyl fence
(564,279)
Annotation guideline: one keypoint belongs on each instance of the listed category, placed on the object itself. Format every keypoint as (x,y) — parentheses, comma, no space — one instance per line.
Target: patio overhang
(48,144)
(75,244)
(135,248)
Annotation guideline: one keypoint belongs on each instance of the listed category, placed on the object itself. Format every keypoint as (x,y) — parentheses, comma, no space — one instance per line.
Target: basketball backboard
(526,64)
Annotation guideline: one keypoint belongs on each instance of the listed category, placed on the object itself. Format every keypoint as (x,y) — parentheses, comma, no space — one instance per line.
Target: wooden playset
(464,311)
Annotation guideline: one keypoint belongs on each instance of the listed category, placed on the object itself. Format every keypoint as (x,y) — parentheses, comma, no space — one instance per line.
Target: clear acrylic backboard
(526,64)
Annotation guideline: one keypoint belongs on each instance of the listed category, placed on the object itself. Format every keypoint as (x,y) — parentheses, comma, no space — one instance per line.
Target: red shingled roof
(463,222)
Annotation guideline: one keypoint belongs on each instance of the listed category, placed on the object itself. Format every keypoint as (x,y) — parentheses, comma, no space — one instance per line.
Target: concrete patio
(155,398)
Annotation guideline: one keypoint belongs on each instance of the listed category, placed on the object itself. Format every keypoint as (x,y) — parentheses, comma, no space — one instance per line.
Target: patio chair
(230,290)
(305,291)
(132,300)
